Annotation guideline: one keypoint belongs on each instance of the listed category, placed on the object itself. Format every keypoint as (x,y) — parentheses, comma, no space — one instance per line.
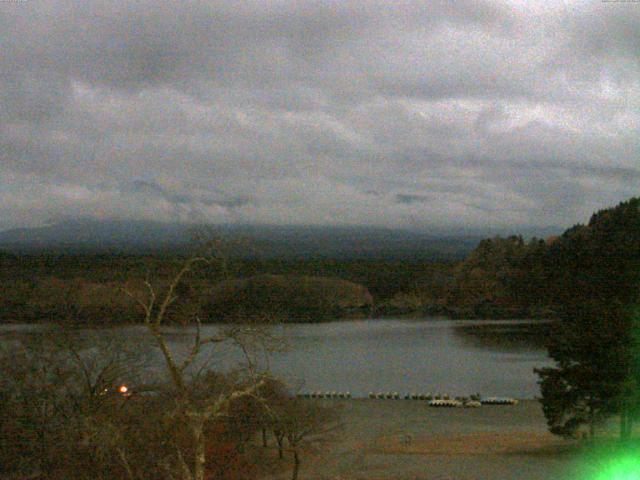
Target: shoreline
(401,316)
(405,440)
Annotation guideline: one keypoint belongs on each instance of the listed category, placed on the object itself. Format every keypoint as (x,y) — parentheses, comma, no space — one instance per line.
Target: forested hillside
(503,277)
(511,277)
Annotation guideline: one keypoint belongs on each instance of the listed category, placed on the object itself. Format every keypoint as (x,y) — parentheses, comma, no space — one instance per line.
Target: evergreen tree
(594,281)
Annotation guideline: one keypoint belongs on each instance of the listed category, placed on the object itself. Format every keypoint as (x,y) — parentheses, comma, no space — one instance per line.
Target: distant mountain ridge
(139,237)
(95,236)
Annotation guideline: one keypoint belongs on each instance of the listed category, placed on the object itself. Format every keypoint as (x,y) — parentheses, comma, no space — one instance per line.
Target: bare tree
(303,422)
(55,384)
(32,382)
(197,409)
(59,395)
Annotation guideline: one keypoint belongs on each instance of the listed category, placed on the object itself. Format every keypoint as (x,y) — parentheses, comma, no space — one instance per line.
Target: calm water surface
(428,356)
(458,357)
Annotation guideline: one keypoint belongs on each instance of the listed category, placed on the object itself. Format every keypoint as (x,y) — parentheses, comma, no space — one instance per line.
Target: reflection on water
(516,336)
(457,357)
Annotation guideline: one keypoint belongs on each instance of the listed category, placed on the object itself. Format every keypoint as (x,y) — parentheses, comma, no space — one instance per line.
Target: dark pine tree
(594,284)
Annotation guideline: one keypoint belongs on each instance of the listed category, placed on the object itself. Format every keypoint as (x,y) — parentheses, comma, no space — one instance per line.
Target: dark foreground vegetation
(596,343)
(64,414)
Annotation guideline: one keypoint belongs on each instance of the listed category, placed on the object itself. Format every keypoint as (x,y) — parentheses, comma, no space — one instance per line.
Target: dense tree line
(594,278)
(287,297)
(588,279)
(504,277)
(85,289)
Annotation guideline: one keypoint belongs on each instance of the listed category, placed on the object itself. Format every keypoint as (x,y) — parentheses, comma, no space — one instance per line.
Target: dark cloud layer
(405,113)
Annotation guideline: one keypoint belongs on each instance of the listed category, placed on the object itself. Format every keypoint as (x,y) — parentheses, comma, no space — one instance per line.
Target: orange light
(123,389)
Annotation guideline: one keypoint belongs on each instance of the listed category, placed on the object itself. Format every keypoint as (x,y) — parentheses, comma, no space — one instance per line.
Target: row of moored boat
(319,394)
(434,400)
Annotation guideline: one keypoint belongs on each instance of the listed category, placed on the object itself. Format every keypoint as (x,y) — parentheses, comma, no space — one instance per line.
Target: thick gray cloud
(405,113)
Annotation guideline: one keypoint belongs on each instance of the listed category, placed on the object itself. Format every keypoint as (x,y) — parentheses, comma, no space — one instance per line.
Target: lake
(422,356)
(457,357)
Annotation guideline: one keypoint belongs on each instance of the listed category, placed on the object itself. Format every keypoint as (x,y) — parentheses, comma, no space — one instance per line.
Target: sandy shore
(387,439)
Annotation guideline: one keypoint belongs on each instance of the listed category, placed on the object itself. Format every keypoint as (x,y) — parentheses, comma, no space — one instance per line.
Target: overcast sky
(399,113)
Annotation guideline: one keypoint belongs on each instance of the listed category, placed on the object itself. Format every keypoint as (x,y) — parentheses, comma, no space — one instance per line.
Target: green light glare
(625,468)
